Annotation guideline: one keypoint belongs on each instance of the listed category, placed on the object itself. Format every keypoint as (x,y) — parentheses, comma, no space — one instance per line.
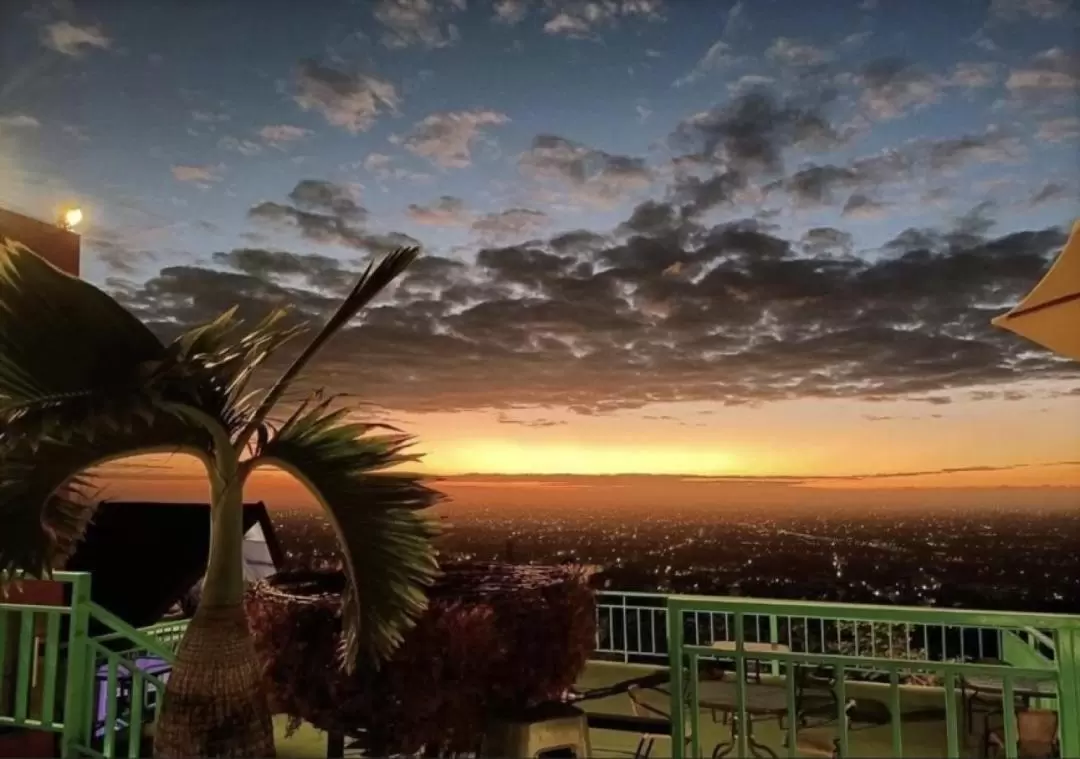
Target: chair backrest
(639,707)
(1037,731)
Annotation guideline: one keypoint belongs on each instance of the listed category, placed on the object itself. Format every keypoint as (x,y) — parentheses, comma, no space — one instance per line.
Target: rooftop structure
(57,244)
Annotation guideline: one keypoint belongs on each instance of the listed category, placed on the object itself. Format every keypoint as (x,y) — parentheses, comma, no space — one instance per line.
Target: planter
(496,639)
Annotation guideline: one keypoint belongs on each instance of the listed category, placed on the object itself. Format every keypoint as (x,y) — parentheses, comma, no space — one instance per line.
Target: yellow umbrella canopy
(1050,314)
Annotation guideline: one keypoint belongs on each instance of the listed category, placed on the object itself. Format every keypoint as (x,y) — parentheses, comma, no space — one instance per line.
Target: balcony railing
(633,628)
(824,636)
(97,693)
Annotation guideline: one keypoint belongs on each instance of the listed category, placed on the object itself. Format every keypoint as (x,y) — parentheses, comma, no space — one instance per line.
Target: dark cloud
(350,100)
(447,211)
(664,310)
(591,175)
(328,214)
(698,196)
(320,272)
(650,217)
(821,241)
(408,23)
(892,86)
(751,132)
(1051,76)
(447,139)
(507,419)
(816,185)
(319,195)
(971,226)
(579,242)
(1050,192)
(116,250)
(992,146)
(876,418)
(862,206)
(824,184)
(511,224)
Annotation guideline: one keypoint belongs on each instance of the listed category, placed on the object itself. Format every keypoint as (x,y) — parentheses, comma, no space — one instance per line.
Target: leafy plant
(885,640)
(83,383)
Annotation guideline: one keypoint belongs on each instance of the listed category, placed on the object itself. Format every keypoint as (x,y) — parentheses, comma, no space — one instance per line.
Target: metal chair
(641,709)
(1036,736)
(822,746)
(971,697)
(815,696)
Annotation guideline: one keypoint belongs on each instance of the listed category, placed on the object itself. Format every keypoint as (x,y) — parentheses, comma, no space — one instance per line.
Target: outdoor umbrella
(1050,314)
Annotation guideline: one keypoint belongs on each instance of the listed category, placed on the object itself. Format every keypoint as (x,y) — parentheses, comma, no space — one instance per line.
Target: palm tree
(83,383)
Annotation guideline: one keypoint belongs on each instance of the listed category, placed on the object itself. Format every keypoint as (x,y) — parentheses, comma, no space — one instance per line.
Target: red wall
(17,742)
(59,246)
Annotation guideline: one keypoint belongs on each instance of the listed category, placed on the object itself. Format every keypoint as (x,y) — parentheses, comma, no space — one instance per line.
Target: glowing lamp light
(71,218)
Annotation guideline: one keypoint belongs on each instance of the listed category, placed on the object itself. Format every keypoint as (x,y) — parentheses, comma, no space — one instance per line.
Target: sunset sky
(753,239)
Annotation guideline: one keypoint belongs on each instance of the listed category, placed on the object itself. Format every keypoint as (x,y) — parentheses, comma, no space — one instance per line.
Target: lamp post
(70,218)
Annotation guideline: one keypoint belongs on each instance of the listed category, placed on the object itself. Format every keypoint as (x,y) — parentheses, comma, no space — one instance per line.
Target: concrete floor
(923,724)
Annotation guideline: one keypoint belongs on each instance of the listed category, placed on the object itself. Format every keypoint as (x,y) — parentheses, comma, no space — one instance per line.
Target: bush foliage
(496,638)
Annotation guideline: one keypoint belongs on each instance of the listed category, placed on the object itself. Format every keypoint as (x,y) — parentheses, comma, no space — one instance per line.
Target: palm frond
(46,491)
(375,278)
(61,337)
(387,543)
(220,362)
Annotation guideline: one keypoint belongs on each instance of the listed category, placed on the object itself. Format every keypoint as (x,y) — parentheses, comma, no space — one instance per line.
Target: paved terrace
(923,727)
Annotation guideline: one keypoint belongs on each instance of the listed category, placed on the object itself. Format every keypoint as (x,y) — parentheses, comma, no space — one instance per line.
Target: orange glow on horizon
(506,456)
(178,478)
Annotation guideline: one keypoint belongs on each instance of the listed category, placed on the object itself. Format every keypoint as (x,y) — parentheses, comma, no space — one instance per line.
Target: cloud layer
(661,309)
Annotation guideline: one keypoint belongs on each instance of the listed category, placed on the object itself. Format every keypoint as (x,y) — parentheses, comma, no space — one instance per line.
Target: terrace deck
(923,722)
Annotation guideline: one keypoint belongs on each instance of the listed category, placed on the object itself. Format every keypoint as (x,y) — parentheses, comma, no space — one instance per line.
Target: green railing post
(675,664)
(626,631)
(77,689)
(1068,662)
(774,638)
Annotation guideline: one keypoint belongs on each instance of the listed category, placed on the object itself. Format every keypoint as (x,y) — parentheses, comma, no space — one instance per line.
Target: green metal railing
(57,684)
(632,628)
(815,624)
(66,682)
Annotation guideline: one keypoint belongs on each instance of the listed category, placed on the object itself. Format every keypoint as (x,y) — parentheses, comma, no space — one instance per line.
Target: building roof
(58,246)
(144,556)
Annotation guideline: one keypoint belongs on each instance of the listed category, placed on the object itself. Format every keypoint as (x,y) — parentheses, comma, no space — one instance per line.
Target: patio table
(729,646)
(762,702)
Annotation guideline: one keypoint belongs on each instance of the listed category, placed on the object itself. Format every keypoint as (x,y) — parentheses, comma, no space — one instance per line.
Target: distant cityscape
(989,559)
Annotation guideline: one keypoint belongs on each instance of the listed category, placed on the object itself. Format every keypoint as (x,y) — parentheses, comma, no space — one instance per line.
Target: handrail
(58,576)
(84,659)
(123,629)
(1040,636)
(73,663)
(878,662)
(830,610)
(140,681)
(1062,672)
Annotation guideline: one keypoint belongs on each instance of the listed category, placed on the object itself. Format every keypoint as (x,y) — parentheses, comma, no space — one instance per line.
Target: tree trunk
(215,702)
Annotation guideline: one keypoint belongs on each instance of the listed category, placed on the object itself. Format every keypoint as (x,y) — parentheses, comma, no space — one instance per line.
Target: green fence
(93,693)
(89,690)
(853,644)
(632,628)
